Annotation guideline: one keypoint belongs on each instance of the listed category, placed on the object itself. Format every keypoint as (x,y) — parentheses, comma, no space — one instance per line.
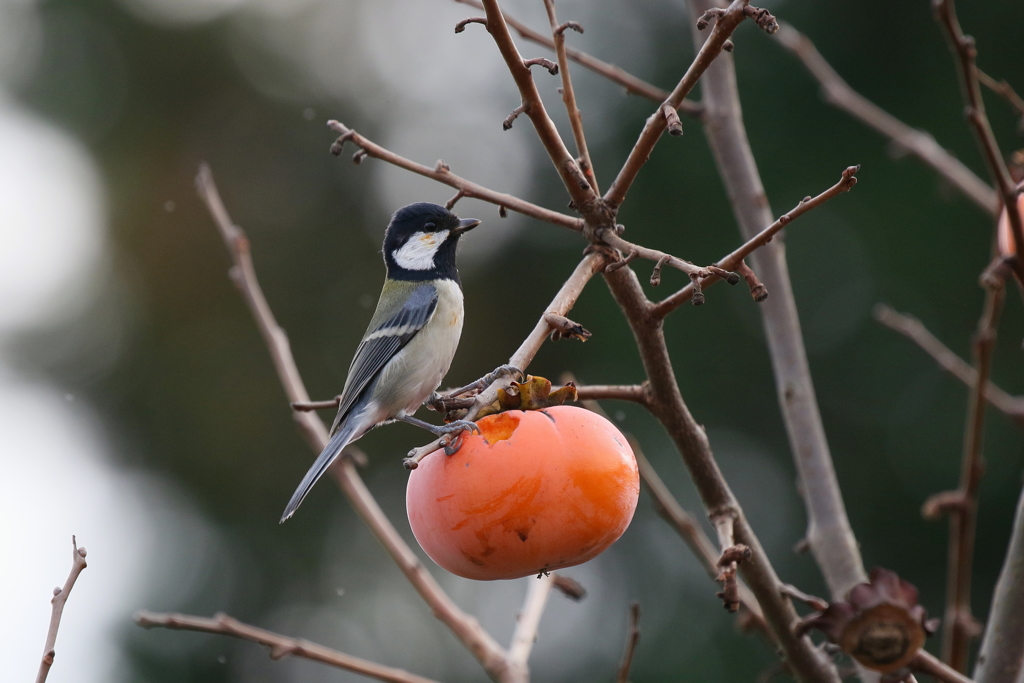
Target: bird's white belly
(417,370)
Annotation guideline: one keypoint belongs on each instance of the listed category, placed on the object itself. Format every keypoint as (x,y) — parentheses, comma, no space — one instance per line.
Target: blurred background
(140,411)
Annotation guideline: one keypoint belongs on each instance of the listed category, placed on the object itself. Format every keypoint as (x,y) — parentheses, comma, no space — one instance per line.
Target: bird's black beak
(465,225)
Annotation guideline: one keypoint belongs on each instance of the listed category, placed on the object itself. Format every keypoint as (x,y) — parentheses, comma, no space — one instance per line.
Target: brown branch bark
(1001,658)
(735,259)
(828,530)
(929,664)
(668,406)
(1004,90)
(442,174)
(918,142)
(582,194)
(959,627)
(965,53)
(631,83)
(466,628)
(628,392)
(59,599)
(724,26)
(280,646)
(569,97)
(914,329)
(632,640)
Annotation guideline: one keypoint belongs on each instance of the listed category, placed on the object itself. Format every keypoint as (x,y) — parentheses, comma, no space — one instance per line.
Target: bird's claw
(451,441)
(503,371)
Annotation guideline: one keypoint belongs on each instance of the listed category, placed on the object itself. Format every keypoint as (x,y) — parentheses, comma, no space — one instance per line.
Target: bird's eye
(429,226)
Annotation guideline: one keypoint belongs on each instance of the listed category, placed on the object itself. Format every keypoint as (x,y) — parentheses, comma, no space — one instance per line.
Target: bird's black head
(420,242)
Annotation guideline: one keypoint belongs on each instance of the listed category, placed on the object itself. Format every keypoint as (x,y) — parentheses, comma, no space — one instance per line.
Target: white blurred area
(58,472)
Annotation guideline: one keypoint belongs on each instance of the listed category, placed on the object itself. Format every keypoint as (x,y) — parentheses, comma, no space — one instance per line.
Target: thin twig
(59,599)
(569,587)
(959,625)
(465,627)
(631,83)
(914,330)
(576,184)
(927,663)
(610,238)
(965,52)
(1001,657)
(656,124)
(918,142)
(528,620)
(442,174)
(1004,90)
(280,646)
(735,259)
(632,640)
(628,392)
(569,96)
(829,534)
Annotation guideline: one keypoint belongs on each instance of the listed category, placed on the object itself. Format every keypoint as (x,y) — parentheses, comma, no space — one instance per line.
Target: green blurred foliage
(193,395)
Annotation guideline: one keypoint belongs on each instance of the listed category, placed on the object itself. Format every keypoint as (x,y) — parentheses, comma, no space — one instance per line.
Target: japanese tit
(411,340)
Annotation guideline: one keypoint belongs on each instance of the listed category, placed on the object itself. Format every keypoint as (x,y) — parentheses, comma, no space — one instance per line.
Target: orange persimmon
(1005,233)
(536,490)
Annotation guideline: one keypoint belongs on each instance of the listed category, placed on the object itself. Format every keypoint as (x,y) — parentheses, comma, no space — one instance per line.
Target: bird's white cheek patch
(419,250)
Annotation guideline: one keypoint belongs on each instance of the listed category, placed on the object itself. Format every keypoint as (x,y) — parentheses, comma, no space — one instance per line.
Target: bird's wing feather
(389,331)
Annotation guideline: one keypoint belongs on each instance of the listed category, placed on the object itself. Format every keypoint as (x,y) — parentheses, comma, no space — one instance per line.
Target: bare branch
(631,83)
(959,626)
(917,142)
(928,664)
(442,174)
(668,406)
(632,640)
(1003,89)
(656,124)
(965,52)
(569,587)
(529,619)
(914,329)
(280,646)
(1001,657)
(568,93)
(828,530)
(465,627)
(563,328)
(59,599)
(735,259)
(544,62)
(461,26)
(629,392)
(610,238)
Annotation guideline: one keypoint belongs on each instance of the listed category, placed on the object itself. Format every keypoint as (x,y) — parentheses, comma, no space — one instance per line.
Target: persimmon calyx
(533,394)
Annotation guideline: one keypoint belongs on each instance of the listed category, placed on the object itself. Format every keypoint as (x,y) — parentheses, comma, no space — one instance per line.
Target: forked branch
(733,260)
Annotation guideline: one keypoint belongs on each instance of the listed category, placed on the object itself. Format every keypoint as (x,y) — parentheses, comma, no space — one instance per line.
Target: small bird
(411,340)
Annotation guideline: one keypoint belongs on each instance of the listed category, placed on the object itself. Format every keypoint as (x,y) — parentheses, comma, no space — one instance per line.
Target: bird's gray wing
(389,331)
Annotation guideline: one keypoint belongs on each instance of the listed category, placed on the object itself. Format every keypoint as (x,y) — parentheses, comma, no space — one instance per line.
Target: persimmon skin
(1007,247)
(535,491)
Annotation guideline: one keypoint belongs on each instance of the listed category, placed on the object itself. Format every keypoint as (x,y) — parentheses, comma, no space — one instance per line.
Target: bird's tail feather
(341,438)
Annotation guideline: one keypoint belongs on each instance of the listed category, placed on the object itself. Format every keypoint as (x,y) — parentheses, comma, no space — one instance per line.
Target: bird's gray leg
(452,443)
(440,430)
